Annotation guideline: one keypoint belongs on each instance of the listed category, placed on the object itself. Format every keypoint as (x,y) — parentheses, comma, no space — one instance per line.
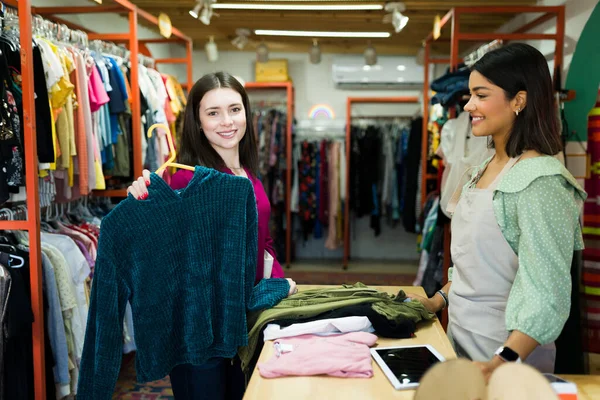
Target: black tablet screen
(408,364)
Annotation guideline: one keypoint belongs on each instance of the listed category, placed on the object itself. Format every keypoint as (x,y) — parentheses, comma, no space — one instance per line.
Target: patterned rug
(128,389)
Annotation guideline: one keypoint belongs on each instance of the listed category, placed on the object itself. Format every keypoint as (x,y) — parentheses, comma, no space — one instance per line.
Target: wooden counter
(325,387)
(588,386)
(377,387)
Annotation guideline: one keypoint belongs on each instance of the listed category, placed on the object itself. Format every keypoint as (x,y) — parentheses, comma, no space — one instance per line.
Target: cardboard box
(272,71)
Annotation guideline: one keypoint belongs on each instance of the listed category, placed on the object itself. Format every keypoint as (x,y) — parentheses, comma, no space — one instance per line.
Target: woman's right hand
(430,304)
(139,187)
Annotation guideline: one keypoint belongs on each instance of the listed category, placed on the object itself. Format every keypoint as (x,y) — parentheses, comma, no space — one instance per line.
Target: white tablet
(404,366)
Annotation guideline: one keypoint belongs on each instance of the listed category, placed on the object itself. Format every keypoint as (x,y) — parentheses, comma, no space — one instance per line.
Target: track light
(196,10)
(399,20)
(396,18)
(212,52)
(370,55)
(241,40)
(262,53)
(315,52)
(206,15)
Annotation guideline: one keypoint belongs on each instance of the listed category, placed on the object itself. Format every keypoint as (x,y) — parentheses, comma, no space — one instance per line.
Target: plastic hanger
(172,152)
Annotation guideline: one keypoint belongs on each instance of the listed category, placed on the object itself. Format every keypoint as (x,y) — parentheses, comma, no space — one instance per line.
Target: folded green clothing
(309,303)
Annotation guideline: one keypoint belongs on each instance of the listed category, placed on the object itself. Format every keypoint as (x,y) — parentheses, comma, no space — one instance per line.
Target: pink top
(97,93)
(181,179)
(344,356)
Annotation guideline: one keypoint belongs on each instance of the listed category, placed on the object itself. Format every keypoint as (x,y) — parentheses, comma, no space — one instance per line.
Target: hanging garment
(332,242)
(411,176)
(343,356)
(5,285)
(308,201)
(199,312)
(482,279)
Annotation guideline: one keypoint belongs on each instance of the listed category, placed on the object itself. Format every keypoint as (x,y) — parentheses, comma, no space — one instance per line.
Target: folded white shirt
(324,327)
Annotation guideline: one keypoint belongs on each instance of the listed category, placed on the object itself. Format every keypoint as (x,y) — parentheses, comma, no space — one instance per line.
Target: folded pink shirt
(344,356)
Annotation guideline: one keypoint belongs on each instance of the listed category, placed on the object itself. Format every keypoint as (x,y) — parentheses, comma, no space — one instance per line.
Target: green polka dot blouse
(537,206)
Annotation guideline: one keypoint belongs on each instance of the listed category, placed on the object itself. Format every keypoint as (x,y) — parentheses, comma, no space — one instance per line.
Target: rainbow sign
(322,110)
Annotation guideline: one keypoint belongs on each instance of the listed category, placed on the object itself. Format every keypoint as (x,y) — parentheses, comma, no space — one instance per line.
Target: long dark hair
(517,67)
(194,147)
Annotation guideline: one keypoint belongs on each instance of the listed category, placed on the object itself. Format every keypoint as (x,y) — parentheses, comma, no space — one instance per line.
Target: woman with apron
(515,223)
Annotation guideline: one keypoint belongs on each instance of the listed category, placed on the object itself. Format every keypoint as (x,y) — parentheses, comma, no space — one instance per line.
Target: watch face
(508,354)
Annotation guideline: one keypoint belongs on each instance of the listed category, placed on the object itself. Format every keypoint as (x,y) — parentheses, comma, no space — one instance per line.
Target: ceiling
(406,42)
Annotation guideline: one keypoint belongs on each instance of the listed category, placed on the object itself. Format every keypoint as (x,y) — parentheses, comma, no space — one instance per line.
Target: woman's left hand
(488,367)
(293,288)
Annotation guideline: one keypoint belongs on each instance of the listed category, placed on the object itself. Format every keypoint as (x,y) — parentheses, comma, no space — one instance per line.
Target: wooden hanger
(172,152)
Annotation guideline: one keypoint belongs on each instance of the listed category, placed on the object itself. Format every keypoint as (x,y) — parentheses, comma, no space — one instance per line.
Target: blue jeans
(217,379)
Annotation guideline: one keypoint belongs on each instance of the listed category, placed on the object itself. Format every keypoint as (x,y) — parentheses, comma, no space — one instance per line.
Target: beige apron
(485,267)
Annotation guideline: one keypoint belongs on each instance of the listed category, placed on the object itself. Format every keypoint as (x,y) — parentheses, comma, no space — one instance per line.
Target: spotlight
(370,55)
(315,52)
(241,40)
(206,15)
(196,10)
(396,18)
(262,53)
(211,50)
(399,20)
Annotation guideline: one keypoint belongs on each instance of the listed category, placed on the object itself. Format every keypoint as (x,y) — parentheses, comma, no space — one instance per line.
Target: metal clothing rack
(138,51)
(349,103)
(32,223)
(457,36)
(289,90)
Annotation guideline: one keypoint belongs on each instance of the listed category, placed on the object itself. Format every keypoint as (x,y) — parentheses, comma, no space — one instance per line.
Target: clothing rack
(349,103)
(453,17)
(289,90)
(137,51)
(32,222)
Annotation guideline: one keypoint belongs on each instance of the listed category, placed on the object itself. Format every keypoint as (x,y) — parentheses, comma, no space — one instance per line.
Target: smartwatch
(508,354)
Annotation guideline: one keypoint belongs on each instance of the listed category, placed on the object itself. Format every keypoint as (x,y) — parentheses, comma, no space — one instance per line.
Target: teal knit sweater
(186,261)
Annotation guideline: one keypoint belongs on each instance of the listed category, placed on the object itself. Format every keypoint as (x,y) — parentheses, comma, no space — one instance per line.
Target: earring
(517,112)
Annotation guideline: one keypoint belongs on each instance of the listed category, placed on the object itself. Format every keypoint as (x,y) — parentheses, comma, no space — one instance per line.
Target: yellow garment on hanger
(63,88)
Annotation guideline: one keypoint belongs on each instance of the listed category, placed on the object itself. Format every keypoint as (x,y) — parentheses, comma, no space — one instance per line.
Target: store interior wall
(314,85)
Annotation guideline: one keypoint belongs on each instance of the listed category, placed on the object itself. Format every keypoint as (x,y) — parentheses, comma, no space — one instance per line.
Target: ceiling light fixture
(396,18)
(212,52)
(315,52)
(267,32)
(241,40)
(206,15)
(262,53)
(196,10)
(370,55)
(299,7)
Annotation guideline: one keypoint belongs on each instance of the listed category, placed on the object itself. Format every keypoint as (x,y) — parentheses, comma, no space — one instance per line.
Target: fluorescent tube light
(267,32)
(298,7)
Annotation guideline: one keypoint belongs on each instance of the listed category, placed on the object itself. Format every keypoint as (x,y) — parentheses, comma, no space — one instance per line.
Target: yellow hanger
(172,151)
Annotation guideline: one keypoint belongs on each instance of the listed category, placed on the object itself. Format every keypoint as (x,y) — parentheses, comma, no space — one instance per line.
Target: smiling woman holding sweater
(516,223)
(216,135)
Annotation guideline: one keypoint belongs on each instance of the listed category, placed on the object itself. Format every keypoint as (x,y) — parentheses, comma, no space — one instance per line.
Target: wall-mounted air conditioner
(401,72)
